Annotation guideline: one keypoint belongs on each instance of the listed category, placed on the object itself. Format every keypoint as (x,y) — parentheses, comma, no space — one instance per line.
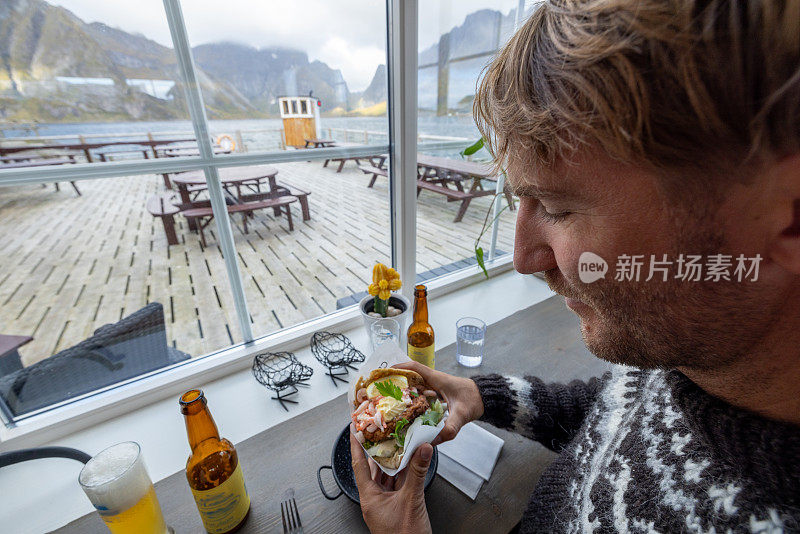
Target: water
(469,344)
(384,336)
(428,124)
(384,331)
(257,135)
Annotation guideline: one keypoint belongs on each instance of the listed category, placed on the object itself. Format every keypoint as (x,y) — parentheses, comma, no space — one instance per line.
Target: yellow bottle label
(223,507)
(424,355)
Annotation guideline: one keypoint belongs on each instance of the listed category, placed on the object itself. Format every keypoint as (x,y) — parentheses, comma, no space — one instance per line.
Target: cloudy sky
(346,34)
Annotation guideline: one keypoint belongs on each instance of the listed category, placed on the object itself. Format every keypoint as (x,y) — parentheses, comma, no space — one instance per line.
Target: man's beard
(702,325)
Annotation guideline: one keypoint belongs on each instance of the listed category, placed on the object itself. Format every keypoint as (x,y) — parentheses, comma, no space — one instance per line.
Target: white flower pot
(398,301)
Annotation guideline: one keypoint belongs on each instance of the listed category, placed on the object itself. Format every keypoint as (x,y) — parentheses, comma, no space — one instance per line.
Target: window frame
(74,414)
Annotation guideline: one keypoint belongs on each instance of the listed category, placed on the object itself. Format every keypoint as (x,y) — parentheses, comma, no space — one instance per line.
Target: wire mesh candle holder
(336,353)
(282,373)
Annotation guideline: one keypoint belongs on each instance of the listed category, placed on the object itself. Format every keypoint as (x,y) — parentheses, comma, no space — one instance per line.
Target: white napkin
(470,458)
(459,476)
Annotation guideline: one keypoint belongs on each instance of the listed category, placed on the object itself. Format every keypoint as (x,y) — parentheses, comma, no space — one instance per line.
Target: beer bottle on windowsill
(420,333)
(213,470)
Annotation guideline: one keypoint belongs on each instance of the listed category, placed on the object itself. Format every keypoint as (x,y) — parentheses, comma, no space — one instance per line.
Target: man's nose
(532,253)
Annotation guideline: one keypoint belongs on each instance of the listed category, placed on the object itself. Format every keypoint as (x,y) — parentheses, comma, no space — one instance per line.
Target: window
(339,226)
(168,232)
(456,41)
(92,280)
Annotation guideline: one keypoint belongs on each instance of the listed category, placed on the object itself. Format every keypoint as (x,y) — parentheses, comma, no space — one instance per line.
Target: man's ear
(785,246)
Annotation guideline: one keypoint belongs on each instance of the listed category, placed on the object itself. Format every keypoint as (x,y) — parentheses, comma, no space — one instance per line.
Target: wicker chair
(116,352)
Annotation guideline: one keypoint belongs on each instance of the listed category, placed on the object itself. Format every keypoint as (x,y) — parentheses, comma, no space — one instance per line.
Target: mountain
(375,92)
(480,32)
(262,75)
(55,67)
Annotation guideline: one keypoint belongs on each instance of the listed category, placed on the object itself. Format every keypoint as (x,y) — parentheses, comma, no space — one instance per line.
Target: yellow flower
(384,281)
(378,273)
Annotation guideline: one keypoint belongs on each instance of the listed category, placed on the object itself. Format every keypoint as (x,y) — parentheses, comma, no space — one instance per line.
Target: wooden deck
(70,264)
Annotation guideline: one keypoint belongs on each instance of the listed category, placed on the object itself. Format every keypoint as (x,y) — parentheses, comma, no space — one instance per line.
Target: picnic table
(232,178)
(23,163)
(445,176)
(43,162)
(319,143)
(244,194)
(9,353)
(187,152)
(543,340)
(371,159)
(27,157)
(87,148)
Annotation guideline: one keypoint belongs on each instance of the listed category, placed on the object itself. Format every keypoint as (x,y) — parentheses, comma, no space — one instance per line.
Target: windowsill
(240,405)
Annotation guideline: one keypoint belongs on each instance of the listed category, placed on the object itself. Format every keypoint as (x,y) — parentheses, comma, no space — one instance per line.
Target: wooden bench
(301,195)
(374,171)
(284,190)
(162,206)
(453,195)
(204,215)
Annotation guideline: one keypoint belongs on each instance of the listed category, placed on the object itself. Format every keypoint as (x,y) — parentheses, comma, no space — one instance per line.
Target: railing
(246,140)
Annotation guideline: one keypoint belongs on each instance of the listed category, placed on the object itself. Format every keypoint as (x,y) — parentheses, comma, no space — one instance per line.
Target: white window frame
(89,409)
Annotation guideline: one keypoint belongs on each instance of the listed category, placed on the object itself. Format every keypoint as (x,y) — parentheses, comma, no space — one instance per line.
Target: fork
(289,514)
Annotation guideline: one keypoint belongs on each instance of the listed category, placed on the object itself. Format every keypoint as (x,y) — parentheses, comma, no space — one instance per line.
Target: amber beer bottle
(213,470)
(420,333)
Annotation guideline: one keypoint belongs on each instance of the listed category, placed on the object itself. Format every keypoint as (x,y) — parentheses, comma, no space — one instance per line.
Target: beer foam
(116,477)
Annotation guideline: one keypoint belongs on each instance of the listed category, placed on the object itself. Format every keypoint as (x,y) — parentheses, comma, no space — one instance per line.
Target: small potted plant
(381,302)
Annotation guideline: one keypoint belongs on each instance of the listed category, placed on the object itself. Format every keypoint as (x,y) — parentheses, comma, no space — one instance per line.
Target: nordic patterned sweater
(649,451)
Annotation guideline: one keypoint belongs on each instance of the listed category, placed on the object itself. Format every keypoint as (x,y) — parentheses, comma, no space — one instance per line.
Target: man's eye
(552,217)
(555,217)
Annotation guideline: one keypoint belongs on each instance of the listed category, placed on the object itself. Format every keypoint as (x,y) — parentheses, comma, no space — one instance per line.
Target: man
(659,131)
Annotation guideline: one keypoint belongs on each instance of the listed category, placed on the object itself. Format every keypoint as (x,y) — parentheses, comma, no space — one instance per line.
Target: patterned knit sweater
(649,451)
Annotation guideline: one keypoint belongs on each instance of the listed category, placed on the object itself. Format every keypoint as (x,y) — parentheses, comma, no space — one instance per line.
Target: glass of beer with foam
(117,483)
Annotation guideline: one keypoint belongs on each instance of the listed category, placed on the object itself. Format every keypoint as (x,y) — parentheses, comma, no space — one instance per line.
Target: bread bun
(413,377)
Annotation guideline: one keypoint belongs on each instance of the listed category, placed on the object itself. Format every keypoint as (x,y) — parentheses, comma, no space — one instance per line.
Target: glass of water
(384,331)
(470,334)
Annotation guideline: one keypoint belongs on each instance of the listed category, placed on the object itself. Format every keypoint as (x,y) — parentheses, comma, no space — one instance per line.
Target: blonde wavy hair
(686,84)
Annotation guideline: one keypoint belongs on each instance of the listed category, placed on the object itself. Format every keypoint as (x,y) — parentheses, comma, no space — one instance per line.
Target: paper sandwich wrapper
(388,355)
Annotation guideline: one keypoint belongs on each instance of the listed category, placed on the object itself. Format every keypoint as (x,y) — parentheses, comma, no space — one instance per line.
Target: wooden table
(187,152)
(543,340)
(357,159)
(28,157)
(437,174)
(23,163)
(88,147)
(9,353)
(320,143)
(231,177)
(43,162)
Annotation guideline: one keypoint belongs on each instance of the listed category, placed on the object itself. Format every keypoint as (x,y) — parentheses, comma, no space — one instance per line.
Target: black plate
(342,469)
